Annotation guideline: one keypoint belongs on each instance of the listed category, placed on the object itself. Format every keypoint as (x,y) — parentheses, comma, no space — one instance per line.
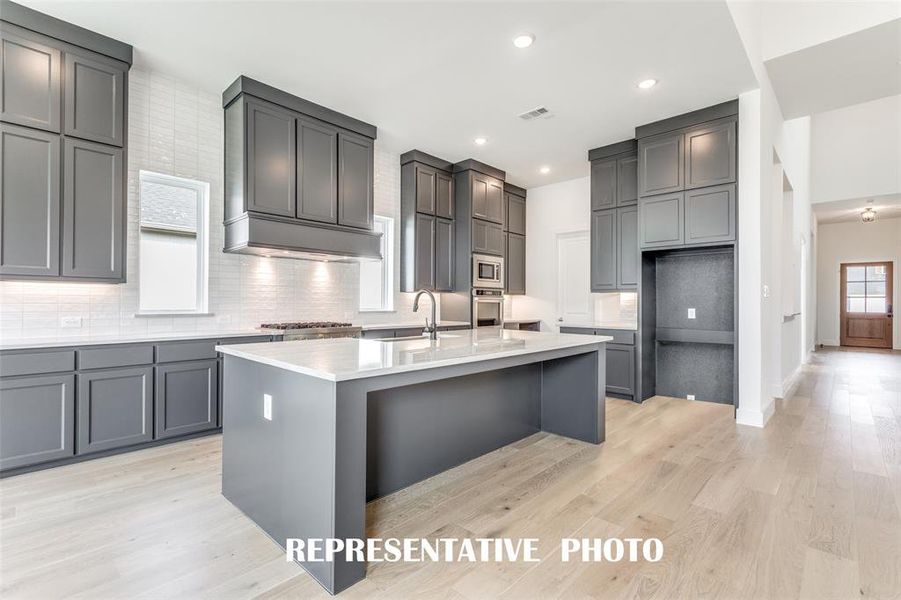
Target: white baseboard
(755,418)
(788,385)
(829,343)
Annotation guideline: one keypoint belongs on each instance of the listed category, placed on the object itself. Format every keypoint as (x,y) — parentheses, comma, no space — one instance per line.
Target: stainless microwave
(487,271)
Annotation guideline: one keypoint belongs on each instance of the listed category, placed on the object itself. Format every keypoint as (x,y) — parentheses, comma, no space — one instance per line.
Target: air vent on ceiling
(535,113)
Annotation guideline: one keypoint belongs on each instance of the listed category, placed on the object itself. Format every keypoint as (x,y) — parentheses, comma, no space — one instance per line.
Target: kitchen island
(314,429)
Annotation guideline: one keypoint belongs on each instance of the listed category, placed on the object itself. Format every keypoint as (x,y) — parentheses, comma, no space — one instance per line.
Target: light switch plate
(267,407)
(70,322)
(690,396)
(692,313)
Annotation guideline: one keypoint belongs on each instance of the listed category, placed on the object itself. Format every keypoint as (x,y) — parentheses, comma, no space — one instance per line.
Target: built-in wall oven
(487,308)
(487,271)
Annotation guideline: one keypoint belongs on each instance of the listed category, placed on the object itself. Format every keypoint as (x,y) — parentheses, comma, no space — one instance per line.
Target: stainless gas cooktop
(307,330)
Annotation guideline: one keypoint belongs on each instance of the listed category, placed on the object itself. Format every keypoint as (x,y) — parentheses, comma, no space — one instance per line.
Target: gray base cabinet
(115,408)
(36,419)
(186,397)
(620,369)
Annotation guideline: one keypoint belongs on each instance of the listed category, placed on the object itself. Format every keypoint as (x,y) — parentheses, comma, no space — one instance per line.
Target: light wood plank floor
(807,507)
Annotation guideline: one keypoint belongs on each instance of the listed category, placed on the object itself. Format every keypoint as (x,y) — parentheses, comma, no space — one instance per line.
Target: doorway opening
(866,304)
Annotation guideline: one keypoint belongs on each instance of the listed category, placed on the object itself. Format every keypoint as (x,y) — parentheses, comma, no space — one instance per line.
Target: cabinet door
(271,159)
(355,180)
(95,98)
(627,254)
(93,210)
(425,189)
(186,397)
(487,198)
(317,171)
(603,250)
(660,164)
(495,201)
(29,202)
(710,155)
(115,408)
(424,273)
(516,263)
(620,362)
(627,181)
(516,214)
(661,220)
(487,237)
(29,82)
(444,255)
(444,195)
(36,419)
(603,184)
(710,215)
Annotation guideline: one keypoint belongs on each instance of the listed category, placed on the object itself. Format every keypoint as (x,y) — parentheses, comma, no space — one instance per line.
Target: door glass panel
(875,273)
(856,305)
(857,289)
(855,274)
(874,288)
(876,305)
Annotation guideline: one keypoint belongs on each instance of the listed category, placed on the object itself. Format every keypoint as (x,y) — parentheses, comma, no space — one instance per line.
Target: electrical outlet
(267,407)
(692,313)
(690,396)
(70,322)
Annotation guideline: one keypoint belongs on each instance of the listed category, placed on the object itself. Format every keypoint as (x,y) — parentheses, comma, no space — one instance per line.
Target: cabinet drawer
(377,334)
(115,356)
(37,363)
(407,332)
(179,351)
(577,330)
(619,336)
(256,339)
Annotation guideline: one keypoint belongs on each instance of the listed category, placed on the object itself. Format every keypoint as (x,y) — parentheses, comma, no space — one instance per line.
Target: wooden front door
(866,304)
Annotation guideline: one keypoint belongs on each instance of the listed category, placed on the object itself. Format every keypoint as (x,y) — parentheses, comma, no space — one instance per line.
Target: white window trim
(388,267)
(203,253)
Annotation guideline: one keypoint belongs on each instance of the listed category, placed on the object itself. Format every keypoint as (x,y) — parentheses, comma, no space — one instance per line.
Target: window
(174,217)
(865,288)
(377,277)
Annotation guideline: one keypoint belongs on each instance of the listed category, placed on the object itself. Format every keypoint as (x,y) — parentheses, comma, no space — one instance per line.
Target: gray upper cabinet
(271,158)
(29,202)
(627,181)
(515,264)
(487,238)
(186,397)
(424,266)
(444,255)
(516,214)
(710,155)
(95,98)
(444,195)
(627,251)
(29,81)
(661,220)
(36,419)
(660,164)
(603,184)
(94,211)
(355,180)
(710,215)
(425,188)
(603,250)
(487,198)
(115,408)
(317,171)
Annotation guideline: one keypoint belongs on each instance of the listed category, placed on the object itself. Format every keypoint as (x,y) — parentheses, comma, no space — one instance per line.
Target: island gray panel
(572,396)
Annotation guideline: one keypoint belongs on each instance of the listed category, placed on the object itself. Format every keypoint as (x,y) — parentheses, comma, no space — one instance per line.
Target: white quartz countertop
(410,325)
(627,325)
(125,338)
(346,358)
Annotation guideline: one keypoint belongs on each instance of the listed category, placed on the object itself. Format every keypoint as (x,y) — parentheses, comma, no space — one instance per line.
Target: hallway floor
(808,507)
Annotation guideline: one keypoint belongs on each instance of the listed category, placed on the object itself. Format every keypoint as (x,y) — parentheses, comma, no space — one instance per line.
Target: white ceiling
(435,75)
(886,207)
(855,68)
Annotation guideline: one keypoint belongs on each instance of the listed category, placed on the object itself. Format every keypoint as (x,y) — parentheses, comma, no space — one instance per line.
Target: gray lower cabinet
(603,250)
(317,171)
(662,220)
(710,214)
(603,184)
(115,408)
(36,419)
(660,164)
(186,397)
(487,238)
(444,255)
(355,180)
(710,155)
(271,156)
(29,202)
(515,264)
(29,80)
(628,255)
(93,211)
(620,369)
(95,88)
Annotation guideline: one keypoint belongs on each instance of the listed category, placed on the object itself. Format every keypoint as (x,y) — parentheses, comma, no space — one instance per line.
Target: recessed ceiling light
(523,40)
(544,170)
(480,141)
(647,84)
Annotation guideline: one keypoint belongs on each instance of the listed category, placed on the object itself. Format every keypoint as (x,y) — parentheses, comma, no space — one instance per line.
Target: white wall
(176,129)
(856,151)
(853,242)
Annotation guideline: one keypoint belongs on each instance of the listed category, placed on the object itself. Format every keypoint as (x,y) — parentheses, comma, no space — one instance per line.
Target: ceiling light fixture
(480,141)
(544,170)
(647,84)
(868,216)
(523,40)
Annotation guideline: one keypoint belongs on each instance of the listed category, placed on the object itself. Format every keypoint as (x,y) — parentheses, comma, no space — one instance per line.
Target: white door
(574,303)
